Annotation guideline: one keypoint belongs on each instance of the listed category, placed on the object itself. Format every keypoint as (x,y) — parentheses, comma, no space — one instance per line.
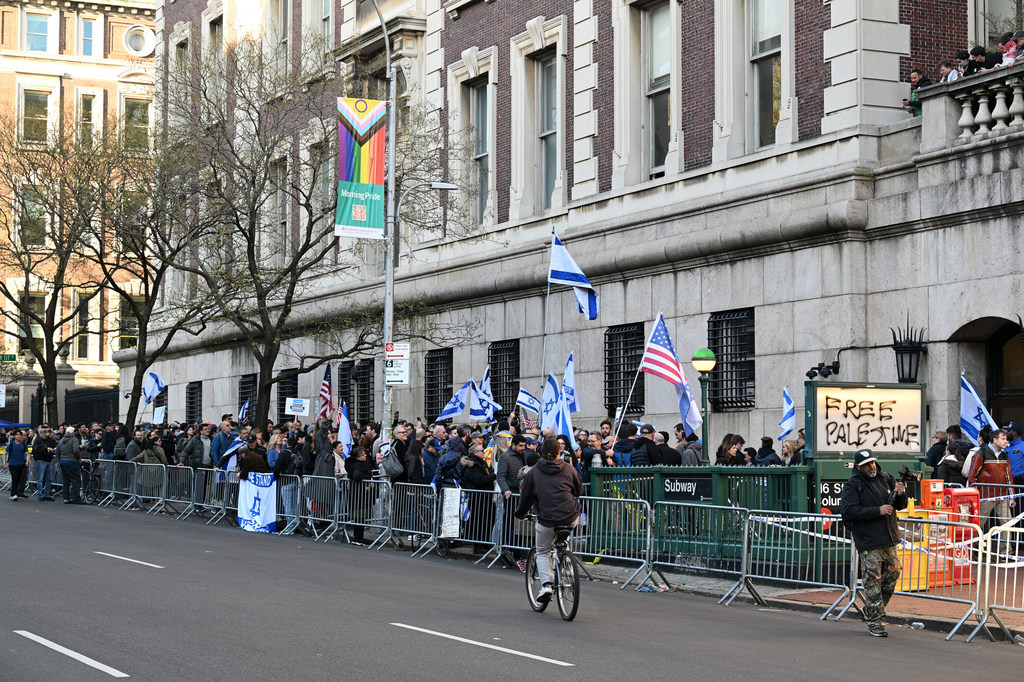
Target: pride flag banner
(362,131)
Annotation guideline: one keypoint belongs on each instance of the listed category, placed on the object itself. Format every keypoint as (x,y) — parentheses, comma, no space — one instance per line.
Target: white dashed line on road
(72,654)
(124,558)
(485,646)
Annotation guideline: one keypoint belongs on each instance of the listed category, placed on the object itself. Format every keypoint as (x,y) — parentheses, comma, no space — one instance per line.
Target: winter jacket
(42,449)
(950,469)
(358,471)
(665,455)
(192,453)
(623,452)
(151,477)
(120,447)
(475,474)
(321,439)
(862,499)
(250,461)
(509,465)
(691,454)
(308,459)
(69,449)
(449,467)
(108,441)
(935,454)
(132,449)
(220,444)
(414,469)
(642,453)
(551,489)
(288,464)
(766,457)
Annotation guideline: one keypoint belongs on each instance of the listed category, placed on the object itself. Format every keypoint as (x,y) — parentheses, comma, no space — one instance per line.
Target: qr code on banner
(359,212)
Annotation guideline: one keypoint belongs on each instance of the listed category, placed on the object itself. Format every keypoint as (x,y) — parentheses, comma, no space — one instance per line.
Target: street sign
(396,372)
(8,357)
(398,350)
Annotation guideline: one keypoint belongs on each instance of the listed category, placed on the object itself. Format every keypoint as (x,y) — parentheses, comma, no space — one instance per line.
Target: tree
(263,141)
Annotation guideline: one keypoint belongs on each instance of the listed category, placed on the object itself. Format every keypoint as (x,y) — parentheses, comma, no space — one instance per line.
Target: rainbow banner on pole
(362,125)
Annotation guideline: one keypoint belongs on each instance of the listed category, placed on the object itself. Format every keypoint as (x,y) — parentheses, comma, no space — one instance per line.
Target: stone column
(65,380)
(26,386)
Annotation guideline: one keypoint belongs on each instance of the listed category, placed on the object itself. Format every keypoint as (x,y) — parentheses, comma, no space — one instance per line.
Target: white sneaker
(544,595)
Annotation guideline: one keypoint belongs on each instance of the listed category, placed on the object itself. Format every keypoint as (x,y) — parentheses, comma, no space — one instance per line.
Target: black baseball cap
(863,457)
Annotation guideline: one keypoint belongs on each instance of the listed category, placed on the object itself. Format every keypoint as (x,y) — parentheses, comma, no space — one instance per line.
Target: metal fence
(288,490)
(319,506)
(1002,581)
(699,538)
(364,504)
(150,480)
(180,491)
(414,514)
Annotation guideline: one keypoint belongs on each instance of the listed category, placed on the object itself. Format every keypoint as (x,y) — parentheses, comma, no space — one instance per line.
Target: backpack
(391,465)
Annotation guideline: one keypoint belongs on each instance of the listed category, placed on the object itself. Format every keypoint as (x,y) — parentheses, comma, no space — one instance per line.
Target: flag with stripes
(564,270)
(243,413)
(660,360)
(325,401)
(788,422)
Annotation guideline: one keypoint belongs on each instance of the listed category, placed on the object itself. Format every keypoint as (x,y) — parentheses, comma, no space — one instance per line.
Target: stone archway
(999,344)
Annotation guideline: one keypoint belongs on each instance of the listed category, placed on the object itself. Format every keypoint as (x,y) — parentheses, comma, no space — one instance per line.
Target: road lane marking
(72,654)
(124,558)
(486,646)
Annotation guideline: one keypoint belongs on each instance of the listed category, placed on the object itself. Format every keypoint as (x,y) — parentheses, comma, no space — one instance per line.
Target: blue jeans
(108,470)
(290,498)
(71,472)
(43,479)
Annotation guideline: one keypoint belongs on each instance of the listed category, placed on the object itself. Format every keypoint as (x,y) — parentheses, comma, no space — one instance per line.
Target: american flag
(660,356)
(325,400)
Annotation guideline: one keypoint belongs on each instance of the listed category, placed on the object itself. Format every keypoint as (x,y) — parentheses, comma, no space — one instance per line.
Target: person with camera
(869,503)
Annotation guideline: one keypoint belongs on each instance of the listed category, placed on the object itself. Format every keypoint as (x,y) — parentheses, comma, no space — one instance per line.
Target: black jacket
(642,450)
(551,489)
(475,474)
(509,465)
(414,469)
(935,454)
(666,455)
(862,498)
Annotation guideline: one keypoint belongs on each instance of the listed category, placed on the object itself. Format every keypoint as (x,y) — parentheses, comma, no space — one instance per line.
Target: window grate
(503,358)
(161,401)
(437,381)
(344,388)
(287,387)
(623,348)
(364,391)
(247,392)
(193,402)
(731,339)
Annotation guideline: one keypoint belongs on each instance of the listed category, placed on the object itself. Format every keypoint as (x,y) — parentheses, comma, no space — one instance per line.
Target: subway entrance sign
(8,357)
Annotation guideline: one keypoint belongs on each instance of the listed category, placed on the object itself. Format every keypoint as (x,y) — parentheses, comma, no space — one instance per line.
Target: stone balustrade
(972,109)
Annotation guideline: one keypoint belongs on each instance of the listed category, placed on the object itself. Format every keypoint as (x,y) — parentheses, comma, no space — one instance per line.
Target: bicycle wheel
(568,584)
(533,583)
(91,491)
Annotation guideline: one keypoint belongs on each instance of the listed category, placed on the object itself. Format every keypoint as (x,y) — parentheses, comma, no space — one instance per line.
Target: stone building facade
(743,166)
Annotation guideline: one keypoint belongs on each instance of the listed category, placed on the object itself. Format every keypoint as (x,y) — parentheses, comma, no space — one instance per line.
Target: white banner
(257,503)
(450,509)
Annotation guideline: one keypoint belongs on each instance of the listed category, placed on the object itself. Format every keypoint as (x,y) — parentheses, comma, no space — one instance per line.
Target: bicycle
(91,482)
(567,577)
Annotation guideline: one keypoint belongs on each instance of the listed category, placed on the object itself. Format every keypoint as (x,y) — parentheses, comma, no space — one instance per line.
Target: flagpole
(544,343)
(615,428)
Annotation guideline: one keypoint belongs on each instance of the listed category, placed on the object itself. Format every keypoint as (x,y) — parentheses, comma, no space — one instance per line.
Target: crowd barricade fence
(227,482)
(795,548)
(122,484)
(1001,504)
(414,514)
(615,528)
(289,491)
(318,507)
(150,485)
(513,534)
(180,490)
(473,520)
(699,538)
(1002,584)
(367,504)
(5,480)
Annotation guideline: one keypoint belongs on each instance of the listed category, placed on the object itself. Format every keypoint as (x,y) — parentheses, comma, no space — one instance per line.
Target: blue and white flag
(244,411)
(151,387)
(344,429)
(569,385)
(481,402)
(457,405)
(563,421)
(528,401)
(257,503)
(564,270)
(550,404)
(973,415)
(788,422)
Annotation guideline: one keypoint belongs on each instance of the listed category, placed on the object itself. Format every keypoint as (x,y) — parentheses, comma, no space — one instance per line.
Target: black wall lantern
(908,344)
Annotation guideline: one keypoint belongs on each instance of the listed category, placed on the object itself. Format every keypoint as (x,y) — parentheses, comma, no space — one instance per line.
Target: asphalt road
(230,605)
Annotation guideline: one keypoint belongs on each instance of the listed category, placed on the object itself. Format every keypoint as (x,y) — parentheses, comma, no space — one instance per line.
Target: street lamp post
(704,361)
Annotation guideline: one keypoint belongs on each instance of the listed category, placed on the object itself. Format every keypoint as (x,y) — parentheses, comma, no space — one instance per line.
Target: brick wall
(604,95)
(938,28)
(484,24)
(812,18)
(698,95)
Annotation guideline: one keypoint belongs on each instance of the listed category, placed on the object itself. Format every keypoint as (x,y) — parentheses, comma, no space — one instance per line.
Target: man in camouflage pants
(869,503)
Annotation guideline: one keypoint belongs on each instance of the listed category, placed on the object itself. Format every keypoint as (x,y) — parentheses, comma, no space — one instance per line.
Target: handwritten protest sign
(884,419)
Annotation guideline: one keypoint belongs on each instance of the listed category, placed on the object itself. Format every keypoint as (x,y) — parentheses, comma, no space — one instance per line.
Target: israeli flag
(564,270)
(973,415)
(244,411)
(549,410)
(345,429)
(257,503)
(688,408)
(563,422)
(481,404)
(788,422)
(569,385)
(152,386)
(457,405)
(528,402)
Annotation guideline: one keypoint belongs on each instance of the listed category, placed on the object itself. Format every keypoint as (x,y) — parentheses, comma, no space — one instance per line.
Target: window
(437,382)
(37,32)
(345,392)
(364,391)
(88,31)
(217,38)
(85,119)
(161,401)
(82,323)
(481,148)
(623,348)
(287,387)
(658,68)
(503,358)
(139,41)
(136,123)
(35,116)
(127,325)
(193,401)
(323,160)
(246,392)
(282,22)
(30,332)
(766,67)
(181,57)
(547,128)
(326,22)
(280,234)
(731,338)
(34,216)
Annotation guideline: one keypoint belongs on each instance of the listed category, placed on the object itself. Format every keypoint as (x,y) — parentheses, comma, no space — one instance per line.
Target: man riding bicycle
(550,489)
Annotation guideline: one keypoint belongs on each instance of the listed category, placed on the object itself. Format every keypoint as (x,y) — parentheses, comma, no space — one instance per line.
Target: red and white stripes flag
(325,401)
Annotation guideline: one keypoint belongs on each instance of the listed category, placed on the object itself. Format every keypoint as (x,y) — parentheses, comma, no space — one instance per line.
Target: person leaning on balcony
(948,70)
(983,61)
(917,81)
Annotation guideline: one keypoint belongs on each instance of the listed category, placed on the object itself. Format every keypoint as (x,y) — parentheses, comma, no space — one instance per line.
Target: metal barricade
(180,490)
(795,548)
(226,483)
(150,486)
(365,504)
(319,506)
(474,514)
(289,488)
(615,529)
(102,474)
(1002,585)
(699,538)
(1001,504)
(512,533)
(122,485)
(5,480)
(414,513)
